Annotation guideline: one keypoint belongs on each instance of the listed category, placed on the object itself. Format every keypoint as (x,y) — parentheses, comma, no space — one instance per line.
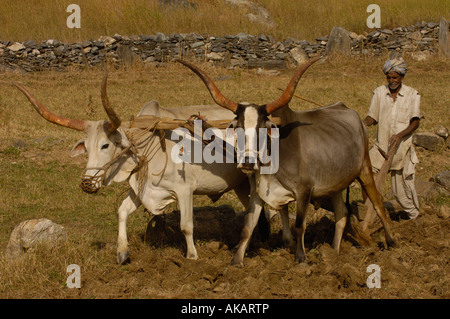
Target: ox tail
(353,227)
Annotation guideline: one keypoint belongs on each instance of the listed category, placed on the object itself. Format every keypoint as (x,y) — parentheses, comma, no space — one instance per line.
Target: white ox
(110,159)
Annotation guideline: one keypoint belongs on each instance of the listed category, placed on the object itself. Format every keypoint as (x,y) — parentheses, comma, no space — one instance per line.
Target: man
(395,107)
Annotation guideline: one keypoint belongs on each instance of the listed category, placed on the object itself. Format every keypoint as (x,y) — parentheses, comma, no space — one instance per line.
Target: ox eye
(105,146)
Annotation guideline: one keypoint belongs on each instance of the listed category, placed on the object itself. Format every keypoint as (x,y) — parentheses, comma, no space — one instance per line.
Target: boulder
(127,56)
(338,42)
(32,232)
(444,38)
(429,141)
(443,212)
(443,179)
(442,132)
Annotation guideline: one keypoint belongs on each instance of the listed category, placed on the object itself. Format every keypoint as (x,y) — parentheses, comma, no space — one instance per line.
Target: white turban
(395,65)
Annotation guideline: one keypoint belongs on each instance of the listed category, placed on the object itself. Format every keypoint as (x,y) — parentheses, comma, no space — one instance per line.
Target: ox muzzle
(91,183)
(258,151)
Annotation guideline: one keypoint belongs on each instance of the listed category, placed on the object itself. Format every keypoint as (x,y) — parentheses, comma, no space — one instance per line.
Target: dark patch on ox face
(260,119)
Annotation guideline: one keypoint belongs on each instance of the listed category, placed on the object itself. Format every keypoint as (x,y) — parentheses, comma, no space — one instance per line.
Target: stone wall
(420,41)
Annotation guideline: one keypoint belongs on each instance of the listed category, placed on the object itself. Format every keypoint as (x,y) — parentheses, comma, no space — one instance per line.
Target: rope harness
(142,147)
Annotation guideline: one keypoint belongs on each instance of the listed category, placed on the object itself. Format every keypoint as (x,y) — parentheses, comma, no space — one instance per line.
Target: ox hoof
(391,244)
(290,244)
(300,258)
(237,262)
(192,257)
(123,258)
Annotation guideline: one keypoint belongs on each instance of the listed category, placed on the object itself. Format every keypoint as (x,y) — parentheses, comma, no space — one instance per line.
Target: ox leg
(340,213)
(288,239)
(250,221)
(128,206)
(187,223)
(368,183)
(300,225)
(242,192)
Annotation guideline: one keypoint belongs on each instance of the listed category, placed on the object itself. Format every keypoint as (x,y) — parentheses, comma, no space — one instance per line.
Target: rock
(161,37)
(19,144)
(299,55)
(443,179)
(30,44)
(374,34)
(338,42)
(16,47)
(267,72)
(421,55)
(353,35)
(51,42)
(126,55)
(258,13)
(387,31)
(59,50)
(108,41)
(270,64)
(417,36)
(214,56)
(442,132)
(443,212)
(197,44)
(32,232)
(429,141)
(178,3)
(444,38)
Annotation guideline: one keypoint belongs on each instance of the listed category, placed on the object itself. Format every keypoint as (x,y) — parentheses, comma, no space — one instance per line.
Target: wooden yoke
(164,123)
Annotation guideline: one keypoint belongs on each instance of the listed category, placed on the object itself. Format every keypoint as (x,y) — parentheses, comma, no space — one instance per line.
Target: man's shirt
(393,117)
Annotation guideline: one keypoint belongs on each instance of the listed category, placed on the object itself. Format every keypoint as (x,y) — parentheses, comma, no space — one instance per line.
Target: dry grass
(42,181)
(31,19)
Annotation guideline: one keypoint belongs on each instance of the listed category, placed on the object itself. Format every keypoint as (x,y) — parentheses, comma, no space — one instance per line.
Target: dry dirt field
(39,179)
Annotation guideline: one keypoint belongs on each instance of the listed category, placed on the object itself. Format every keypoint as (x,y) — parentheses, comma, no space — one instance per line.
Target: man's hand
(395,140)
(368,121)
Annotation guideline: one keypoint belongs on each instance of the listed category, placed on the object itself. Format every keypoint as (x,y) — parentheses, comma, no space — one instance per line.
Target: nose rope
(92,183)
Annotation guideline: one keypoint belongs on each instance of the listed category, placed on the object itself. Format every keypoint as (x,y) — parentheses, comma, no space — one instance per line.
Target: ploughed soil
(417,268)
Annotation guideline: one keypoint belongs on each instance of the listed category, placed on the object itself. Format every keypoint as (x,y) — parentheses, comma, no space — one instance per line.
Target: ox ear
(122,138)
(272,129)
(79,148)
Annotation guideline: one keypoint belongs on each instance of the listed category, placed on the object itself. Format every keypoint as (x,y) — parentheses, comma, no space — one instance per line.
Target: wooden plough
(379,181)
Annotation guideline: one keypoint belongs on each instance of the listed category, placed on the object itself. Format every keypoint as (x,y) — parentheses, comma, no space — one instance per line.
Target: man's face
(394,80)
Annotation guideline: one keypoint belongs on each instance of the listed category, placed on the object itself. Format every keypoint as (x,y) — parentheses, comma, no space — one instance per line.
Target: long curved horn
(73,124)
(114,119)
(218,97)
(286,97)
